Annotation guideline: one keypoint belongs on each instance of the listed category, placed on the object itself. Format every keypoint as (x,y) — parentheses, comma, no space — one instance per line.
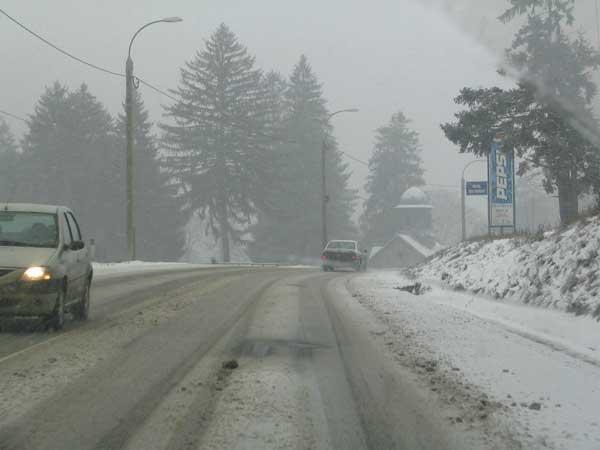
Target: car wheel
(58,316)
(82,310)
(325,269)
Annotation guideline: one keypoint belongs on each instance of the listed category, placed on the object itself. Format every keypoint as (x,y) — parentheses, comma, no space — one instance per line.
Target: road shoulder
(500,381)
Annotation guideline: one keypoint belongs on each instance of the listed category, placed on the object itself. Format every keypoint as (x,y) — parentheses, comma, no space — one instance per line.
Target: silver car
(343,255)
(45,265)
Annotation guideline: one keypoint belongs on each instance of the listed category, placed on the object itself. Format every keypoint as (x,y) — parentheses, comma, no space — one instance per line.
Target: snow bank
(107,270)
(534,372)
(558,271)
(104,270)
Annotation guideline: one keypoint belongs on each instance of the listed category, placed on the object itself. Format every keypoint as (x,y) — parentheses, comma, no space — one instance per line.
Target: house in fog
(408,233)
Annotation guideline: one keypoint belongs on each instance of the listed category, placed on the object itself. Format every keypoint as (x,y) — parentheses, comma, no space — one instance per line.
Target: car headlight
(36,273)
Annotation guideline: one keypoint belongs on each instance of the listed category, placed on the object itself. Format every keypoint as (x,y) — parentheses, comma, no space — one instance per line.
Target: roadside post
(469,188)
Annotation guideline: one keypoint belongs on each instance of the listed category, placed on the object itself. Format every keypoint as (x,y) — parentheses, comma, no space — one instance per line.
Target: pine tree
(71,157)
(157,215)
(9,160)
(394,167)
(219,145)
(547,119)
(290,229)
(559,68)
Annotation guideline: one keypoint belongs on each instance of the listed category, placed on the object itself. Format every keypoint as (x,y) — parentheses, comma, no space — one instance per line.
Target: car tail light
(355,257)
(323,257)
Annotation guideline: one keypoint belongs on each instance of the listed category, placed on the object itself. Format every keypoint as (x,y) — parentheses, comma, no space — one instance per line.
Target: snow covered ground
(107,270)
(534,372)
(559,271)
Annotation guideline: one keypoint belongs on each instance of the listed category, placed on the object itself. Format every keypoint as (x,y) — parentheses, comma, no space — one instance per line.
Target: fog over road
(147,371)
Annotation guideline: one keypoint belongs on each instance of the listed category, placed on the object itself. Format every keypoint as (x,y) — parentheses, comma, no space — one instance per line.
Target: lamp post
(324,196)
(129,86)
(463,214)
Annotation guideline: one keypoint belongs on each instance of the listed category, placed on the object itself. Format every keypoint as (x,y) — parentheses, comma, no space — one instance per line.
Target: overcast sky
(380,56)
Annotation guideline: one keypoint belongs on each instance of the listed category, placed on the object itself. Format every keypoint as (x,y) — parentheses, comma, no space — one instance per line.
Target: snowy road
(315,370)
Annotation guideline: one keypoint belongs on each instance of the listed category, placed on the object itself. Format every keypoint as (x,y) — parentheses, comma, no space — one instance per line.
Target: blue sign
(501,197)
(477,188)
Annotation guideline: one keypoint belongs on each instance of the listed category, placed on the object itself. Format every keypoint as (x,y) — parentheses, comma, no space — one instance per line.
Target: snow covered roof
(426,252)
(414,197)
(374,251)
(414,194)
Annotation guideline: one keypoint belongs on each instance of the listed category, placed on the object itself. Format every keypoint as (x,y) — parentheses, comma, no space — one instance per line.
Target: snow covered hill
(558,270)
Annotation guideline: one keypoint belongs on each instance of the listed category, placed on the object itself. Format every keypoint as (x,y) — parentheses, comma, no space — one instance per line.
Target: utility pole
(463,213)
(324,196)
(129,164)
(129,120)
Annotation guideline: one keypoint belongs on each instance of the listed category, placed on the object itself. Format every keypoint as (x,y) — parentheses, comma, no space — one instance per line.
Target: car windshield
(342,245)
(28,229)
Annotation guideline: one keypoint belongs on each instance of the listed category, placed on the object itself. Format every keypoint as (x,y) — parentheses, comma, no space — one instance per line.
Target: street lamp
(324,196)
(129,86)
(463,216)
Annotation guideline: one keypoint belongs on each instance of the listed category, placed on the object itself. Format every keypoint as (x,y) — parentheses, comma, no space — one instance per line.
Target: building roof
(389,255)
(426,252)
(374,251)
(414,197)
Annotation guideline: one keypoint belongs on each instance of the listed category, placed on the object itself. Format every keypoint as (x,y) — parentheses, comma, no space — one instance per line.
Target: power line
(55,47)
(154,88)
(80,60)
(354,159)
(445,186)
(14,116)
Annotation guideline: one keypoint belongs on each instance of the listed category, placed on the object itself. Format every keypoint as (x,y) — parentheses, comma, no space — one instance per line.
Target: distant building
(408,233)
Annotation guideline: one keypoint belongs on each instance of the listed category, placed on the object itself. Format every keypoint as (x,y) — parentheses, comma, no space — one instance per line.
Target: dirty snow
(558,271)
(34,376)
(534,370)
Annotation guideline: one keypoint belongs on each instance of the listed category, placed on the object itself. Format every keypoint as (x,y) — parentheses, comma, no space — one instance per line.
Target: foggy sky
(380,56)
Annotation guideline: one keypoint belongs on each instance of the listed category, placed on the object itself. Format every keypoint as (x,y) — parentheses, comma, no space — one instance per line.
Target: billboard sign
(501,196)
(477,188)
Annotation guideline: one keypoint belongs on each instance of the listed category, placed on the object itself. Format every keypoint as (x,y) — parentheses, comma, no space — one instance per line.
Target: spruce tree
(290,229)
(547,119)
(9,160)
(218,146)
(394,166)
(71,157)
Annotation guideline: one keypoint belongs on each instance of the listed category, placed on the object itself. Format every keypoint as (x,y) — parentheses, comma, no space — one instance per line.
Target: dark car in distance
(343,254)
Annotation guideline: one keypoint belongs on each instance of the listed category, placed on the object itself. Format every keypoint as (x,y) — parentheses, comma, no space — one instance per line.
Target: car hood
(25,256)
